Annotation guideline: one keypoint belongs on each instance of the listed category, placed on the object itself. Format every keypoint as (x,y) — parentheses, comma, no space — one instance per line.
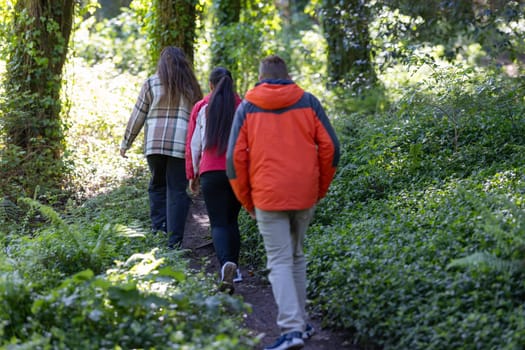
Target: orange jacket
(282,152)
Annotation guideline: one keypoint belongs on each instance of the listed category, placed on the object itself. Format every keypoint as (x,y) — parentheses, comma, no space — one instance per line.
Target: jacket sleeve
(196,142)
(138,116)
(190,174)
(328,148)
(238,160)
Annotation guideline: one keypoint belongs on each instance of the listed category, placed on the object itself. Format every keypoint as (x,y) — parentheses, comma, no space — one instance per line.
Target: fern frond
(8,210)
(50,213)
(102,239)
(45,210)
(488,261)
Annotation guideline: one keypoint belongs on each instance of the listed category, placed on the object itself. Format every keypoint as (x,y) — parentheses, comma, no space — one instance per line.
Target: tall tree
(345,25)
(33,130)
(168,23)
(227,14)
(177,24)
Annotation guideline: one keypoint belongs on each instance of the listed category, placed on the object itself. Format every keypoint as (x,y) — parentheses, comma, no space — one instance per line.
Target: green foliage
(118,40)
(507,227)
(488,261)
(394,254)
(252,252)
(468,114)
(5,22)
(14,290)
(449,126)
(35,48)
(419,244)
(167,23)
(82,273)
(349,59)
(390,33)
(240,46)
(402,28)
(35,164)
(142,303)
(58,249)
(423,225)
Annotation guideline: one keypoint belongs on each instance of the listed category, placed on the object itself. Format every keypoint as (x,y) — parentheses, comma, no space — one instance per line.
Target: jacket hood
(274,94)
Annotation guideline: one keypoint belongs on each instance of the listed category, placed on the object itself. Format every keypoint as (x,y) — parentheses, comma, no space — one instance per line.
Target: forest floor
(254,289)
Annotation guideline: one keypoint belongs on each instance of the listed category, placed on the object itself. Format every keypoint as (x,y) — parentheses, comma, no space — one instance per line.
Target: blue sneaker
(288,341)
(309,331)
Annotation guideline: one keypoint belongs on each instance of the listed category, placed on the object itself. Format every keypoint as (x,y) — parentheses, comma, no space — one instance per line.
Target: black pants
(223,210)
(169,201)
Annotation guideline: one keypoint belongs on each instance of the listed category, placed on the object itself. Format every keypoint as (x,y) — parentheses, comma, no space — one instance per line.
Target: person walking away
(206,143)
(163,108)
(282,156)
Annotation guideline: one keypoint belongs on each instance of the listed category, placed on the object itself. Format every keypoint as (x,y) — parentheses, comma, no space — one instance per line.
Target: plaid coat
(165,122)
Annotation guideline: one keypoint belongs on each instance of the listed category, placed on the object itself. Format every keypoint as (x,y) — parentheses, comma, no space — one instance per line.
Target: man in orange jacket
(282,156)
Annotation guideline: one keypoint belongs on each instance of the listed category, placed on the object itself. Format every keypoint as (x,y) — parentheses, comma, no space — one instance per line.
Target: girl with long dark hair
(206,164)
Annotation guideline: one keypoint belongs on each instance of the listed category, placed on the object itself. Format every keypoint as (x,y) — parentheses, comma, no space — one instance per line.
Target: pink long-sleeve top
(208,161)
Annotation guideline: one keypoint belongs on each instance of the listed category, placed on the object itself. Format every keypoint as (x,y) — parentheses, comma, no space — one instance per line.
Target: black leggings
(223,210)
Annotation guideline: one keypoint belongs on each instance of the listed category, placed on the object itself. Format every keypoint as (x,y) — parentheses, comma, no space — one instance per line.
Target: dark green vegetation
(420,243)
(96,273)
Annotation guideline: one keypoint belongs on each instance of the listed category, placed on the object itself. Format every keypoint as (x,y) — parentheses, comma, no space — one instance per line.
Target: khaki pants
(283,234)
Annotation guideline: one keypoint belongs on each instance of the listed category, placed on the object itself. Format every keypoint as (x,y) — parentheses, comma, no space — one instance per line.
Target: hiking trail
(254,290)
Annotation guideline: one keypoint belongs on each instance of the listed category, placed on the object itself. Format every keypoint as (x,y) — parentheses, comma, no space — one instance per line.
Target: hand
(194,186)
(123,153)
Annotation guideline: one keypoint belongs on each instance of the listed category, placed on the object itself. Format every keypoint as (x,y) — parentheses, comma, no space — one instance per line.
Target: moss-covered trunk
(176,26)
(33,129)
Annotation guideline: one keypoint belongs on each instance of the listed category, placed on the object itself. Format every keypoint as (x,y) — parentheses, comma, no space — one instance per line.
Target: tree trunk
(176,25)
(345,25)
(228,13)
(37,53)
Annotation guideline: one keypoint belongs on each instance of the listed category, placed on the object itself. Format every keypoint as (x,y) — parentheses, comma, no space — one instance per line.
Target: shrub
(387,266)
(421,194)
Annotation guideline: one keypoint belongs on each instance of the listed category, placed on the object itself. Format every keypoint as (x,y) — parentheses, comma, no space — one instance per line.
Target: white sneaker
(238,277)
(228,272)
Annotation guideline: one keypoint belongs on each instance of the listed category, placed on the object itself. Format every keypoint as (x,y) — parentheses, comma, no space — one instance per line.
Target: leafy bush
(142,301)
(14,291)
(140,304)
(116,40)
(451,126)
(419,244)
(394,256)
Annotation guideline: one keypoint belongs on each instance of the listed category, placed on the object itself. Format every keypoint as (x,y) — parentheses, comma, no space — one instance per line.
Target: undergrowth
(98,273)
(420,243)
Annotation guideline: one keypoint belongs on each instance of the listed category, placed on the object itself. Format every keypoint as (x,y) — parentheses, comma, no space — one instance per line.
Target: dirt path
(253,289)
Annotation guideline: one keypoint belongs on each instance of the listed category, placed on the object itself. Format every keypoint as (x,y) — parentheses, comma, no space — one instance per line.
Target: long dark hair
(220,110)
(177,76)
